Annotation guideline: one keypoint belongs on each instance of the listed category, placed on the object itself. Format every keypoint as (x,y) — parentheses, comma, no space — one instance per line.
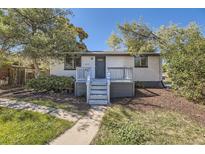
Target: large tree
(114,42)
(183,49)
(39,34)
(136,37)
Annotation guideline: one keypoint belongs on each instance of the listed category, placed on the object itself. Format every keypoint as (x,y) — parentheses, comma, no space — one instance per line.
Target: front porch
(118,82)
(116,74)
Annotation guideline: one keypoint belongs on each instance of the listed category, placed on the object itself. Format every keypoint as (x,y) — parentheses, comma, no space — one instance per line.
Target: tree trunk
(36,67)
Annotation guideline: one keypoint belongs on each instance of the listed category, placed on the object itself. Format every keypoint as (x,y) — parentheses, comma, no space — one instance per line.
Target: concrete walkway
(83,132)
(59,113)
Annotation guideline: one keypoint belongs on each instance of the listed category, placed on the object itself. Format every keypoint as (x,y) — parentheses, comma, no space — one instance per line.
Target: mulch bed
(163,99)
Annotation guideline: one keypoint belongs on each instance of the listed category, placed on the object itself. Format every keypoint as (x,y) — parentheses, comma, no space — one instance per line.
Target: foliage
(4,60)
(8,59)
(122,125)
(26,127)
(165,68)
(40,34)
(114,42)
(136,43)
(184,52)
(183,49)
(50,83)
(136,37)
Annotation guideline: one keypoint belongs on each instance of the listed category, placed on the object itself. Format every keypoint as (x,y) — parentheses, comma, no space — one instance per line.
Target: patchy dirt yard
(153,116)
(163,99)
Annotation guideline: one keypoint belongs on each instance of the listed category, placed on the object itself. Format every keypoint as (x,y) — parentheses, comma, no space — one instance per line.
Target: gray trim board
(109,53)
(149,84)
(112,53)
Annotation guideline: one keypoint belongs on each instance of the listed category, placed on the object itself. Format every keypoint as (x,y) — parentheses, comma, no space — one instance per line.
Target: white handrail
(88,86)
(82,73)
(108,86)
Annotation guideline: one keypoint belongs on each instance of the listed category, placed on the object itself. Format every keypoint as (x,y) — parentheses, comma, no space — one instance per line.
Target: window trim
(73,58)
(141,66)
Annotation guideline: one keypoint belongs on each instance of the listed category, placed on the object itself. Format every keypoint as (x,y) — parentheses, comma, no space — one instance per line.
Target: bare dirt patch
(163,99)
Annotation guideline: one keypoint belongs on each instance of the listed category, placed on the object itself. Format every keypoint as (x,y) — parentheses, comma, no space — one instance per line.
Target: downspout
(160,73)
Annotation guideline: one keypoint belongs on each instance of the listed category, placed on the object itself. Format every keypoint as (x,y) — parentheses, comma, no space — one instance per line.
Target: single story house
(104,75)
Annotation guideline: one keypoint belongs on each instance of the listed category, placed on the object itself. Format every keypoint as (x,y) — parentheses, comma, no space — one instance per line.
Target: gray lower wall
(122,89)
(80,89)
(117,89)
(149,84)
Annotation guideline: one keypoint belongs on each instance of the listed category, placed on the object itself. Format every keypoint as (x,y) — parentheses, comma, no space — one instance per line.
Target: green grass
(50,103)
(121,125)
(26,127)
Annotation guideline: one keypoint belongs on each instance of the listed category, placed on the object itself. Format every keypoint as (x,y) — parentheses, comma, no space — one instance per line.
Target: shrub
(185,58)
(50,83)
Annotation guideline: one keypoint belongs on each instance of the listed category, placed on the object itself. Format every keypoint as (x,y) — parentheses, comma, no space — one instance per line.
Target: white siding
(89,61)
(152,73)
(57,68)
(119,61)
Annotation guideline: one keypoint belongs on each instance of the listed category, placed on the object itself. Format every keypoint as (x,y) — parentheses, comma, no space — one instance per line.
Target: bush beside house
(51,83)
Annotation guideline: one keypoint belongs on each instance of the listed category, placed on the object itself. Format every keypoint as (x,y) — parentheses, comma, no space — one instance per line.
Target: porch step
(103,92)
(98,97)
(98,92)
(97,102)
(101,87)
(98,83)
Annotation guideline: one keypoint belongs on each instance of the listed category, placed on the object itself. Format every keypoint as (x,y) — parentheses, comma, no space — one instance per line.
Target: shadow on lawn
(64,101)
(145,93)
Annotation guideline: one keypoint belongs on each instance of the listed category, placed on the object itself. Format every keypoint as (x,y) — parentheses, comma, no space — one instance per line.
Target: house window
(71,62)
(141,61)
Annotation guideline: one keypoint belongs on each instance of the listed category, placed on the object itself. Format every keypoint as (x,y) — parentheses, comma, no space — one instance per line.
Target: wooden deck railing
(121,73)
(116,73)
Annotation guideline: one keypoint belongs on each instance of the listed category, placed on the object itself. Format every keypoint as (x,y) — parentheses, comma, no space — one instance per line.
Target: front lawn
(26,127)
(123,125)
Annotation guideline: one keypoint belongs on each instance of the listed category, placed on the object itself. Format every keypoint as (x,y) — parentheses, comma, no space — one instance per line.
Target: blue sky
(100,23)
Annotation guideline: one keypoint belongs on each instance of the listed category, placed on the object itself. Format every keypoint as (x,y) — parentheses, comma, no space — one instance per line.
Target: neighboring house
(104,75)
